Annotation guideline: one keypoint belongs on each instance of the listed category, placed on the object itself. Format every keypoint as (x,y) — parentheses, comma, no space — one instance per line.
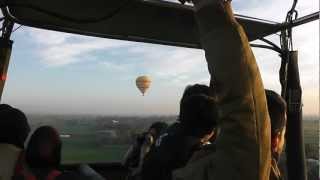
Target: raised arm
(243,147)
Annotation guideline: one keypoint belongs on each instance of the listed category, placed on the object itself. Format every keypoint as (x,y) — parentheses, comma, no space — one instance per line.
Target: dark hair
(195,89)
(198,115)
(159,127)
(277,108)
(44,148)
(14,127)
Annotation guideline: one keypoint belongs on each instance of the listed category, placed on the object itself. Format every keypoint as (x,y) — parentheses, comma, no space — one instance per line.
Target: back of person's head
(277,108)
(198,115)
(44,148)
(191,90)
(14,127)
(158,128)
(195,89)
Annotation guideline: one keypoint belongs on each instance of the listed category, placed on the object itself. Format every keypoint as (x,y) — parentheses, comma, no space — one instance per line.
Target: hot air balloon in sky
(143,83)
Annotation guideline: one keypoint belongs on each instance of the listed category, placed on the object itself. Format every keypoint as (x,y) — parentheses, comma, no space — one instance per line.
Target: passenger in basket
(195,127)
(278,115)
(243,148)
(14,130)
(277,111)
(43,157)
(134,158)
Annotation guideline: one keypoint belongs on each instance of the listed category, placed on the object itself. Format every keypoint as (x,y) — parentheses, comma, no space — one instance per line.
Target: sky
(60,73)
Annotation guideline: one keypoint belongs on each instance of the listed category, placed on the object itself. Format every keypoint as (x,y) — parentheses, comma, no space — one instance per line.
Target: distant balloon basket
(143,83)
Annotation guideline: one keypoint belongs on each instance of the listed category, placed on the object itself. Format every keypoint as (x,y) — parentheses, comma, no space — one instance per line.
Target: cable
(293,5)
(66,18)
(17,28)
(291,15)
(7,29)
(2,19)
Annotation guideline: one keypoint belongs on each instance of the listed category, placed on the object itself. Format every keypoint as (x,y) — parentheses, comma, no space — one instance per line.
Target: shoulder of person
(171,136)
(163,151)
(203,153)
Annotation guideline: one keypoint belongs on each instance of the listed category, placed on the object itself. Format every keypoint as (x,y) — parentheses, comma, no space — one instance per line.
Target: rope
(291,15)
(287,45)
(17,28)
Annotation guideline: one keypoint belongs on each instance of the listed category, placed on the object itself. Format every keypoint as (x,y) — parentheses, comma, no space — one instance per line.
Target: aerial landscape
(91,139)
(99,73)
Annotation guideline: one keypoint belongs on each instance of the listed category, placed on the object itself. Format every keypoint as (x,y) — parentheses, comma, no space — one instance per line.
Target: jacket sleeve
(243,147)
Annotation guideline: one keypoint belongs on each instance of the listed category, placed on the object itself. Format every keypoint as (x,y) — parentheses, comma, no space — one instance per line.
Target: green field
(98,139)
(87,146)
(90,154)
(93,138)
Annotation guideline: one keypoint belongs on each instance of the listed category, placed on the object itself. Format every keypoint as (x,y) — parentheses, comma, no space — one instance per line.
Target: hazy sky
(53,72)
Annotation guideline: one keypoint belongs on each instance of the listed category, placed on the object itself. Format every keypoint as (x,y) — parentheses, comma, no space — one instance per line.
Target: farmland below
(88,139)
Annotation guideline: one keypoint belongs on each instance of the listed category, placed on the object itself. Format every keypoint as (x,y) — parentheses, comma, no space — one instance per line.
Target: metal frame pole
(291,91)
(5,52)
(295,152)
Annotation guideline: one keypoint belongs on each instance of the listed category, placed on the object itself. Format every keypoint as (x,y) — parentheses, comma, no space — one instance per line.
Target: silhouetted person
(277,111)
(134,158)
(156,129)
(194,129)
(43,157)
(14,130)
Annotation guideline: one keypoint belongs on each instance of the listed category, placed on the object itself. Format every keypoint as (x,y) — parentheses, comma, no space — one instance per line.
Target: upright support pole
(5,53)
(283,73)
(295,153)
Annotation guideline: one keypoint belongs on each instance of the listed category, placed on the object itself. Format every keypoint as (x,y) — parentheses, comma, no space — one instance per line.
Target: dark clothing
(135,156)
(132,157)
(86,172)
(69,175)
(203,152)
(172,150)
(275,173)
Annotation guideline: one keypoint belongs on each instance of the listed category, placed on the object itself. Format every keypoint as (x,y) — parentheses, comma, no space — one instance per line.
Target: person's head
(157,128)
(194,90)
(44,148)
(14,127)
(198,116)
(277,108)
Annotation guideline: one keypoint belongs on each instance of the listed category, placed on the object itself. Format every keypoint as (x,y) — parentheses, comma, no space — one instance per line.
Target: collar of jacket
(275,172)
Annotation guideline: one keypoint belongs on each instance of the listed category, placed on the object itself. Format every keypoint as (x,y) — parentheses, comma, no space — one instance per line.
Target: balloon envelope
(143,83)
